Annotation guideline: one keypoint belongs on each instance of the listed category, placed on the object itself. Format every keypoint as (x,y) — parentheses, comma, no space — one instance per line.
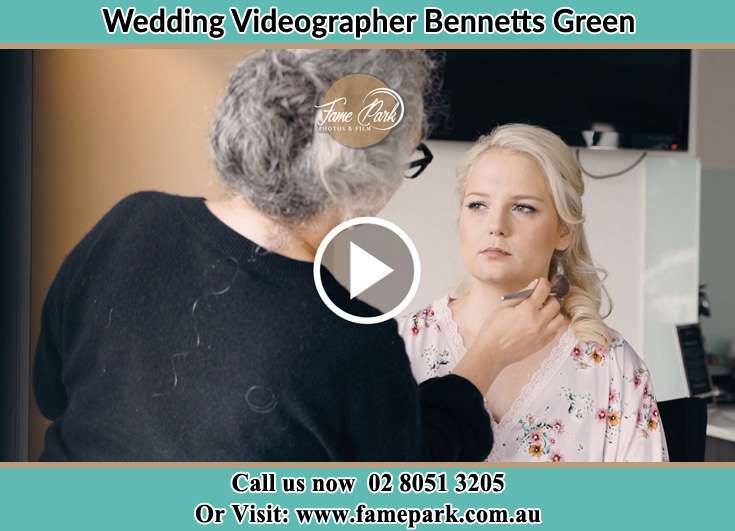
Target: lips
(495,251)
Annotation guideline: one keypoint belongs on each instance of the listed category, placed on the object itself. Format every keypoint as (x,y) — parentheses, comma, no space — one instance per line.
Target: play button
(367,270)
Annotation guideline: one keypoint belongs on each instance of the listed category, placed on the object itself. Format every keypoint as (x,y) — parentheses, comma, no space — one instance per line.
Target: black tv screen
(643,95)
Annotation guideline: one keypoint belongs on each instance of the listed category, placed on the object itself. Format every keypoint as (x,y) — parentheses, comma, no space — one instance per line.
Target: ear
(564,237)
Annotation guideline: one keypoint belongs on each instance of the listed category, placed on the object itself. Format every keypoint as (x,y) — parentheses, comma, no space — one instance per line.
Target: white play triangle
(365,270)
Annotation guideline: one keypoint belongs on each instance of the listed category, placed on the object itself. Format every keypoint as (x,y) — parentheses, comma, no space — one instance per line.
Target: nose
(497,223)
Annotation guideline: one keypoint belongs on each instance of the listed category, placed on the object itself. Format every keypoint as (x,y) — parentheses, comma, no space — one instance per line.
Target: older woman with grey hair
(185,329)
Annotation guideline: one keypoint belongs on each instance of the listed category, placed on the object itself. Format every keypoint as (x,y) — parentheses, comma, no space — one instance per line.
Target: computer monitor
(695,363)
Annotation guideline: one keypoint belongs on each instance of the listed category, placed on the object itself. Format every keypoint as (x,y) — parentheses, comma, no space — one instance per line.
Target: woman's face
(508,225)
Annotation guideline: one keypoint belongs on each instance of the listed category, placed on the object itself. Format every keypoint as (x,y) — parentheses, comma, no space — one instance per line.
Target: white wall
(671,276)
(614,210)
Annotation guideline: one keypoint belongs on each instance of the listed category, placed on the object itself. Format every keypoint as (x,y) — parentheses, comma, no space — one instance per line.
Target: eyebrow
(515,197)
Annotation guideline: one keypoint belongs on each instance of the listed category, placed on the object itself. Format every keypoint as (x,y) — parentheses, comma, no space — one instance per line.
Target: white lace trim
(548,368)
(543,374)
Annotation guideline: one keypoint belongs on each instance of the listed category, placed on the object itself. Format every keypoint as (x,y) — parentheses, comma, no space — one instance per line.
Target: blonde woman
(586,395)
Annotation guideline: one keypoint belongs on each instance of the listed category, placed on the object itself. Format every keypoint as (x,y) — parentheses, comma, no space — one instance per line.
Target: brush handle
(524,294)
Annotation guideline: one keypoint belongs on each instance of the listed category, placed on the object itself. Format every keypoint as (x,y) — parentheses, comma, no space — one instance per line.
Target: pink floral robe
(584,403)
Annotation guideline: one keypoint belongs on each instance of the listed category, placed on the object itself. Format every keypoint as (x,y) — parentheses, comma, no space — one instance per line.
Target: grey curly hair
(266,147)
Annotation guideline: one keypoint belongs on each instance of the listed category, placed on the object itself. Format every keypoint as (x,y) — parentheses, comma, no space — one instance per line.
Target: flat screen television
(641,96)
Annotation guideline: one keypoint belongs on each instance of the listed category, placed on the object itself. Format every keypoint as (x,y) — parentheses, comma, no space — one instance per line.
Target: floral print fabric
(584,403)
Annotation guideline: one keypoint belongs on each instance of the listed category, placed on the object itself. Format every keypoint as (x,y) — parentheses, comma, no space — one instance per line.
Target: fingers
(548,332)
(540,294)
(557,324)
(550,310)
(510,303)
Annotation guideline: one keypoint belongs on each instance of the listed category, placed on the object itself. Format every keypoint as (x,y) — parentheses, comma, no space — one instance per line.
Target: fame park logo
(359,110)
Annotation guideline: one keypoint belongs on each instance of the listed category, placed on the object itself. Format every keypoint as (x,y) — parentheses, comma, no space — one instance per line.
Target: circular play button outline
(398,231)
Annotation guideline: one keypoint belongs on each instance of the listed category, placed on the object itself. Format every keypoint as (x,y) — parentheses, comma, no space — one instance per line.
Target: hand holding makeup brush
(559,289)
(520,327)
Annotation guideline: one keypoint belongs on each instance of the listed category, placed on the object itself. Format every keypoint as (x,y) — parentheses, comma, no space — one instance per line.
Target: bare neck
(471,309)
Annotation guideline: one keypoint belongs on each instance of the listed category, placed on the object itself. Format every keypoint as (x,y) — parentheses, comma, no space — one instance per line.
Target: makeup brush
(559,289)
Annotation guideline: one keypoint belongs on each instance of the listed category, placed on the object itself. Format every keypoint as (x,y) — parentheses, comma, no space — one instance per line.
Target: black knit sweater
(166,335)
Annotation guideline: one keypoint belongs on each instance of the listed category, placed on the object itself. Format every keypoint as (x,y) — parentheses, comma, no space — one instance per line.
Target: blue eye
(523,208)
(475,205)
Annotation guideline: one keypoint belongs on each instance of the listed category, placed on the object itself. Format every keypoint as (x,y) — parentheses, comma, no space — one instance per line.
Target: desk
(721,422)
(720,433)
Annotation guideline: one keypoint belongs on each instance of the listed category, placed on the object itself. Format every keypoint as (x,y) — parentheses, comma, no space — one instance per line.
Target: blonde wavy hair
(582,304)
